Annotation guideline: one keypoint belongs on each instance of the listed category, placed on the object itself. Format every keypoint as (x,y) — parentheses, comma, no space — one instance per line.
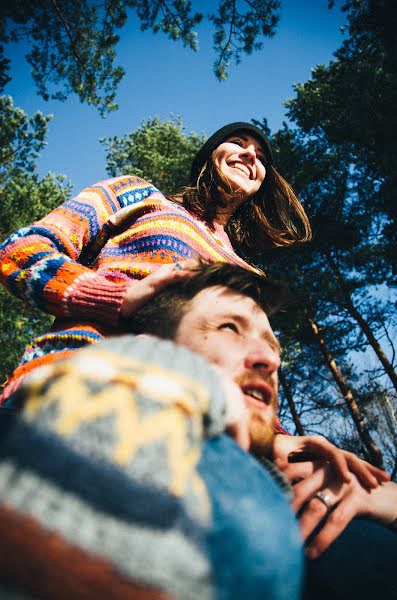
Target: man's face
(230,330)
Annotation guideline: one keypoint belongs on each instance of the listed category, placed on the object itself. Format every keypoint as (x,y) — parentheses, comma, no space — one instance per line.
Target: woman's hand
(145,289)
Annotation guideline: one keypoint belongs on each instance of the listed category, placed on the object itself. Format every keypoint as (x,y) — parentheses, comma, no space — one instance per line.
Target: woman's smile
(241,160)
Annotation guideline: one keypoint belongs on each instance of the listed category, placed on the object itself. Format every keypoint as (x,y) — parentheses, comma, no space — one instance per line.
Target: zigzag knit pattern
(125,229)
(99,489)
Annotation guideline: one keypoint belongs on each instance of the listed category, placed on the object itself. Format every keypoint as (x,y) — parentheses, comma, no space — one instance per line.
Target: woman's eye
(237,141)
(230,326)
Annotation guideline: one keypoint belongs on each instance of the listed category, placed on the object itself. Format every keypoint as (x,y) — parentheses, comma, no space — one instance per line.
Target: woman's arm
(39,263)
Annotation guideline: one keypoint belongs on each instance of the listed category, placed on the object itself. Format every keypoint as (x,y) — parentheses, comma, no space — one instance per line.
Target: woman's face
(241,159)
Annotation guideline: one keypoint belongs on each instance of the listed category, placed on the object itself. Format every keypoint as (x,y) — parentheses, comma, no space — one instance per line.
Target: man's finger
(295,472)
(315,511)
(322,448)
(306,489)
(368,475)
(336,522)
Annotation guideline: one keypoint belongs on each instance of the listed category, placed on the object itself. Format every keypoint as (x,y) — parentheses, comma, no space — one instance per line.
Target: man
(226,324)
(232,331)
(229,327)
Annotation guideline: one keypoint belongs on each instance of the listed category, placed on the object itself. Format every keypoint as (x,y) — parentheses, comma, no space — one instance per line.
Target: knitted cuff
(92,297)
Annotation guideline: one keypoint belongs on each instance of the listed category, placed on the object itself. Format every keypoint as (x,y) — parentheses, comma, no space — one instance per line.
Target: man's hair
(162,314)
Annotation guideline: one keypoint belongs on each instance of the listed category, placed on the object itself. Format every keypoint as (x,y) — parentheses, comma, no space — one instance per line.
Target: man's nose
(262,357)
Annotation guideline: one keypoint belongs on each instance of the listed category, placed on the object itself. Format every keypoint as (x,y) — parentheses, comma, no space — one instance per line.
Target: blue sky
(162,78)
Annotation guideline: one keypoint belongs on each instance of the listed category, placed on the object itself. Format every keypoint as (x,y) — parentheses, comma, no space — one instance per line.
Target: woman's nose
(249,151)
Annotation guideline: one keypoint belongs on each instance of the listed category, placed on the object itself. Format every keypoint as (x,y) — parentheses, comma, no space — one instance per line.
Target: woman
(95,259)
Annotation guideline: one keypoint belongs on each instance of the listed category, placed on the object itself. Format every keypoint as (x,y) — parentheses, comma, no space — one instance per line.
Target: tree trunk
(362,322)
(291,402)
(374,454)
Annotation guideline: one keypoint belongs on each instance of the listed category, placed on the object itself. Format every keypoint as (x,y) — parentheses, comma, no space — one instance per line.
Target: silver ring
(325,499)
(178,267)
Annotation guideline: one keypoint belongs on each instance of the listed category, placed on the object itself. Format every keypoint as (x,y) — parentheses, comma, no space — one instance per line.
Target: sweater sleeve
(39,263)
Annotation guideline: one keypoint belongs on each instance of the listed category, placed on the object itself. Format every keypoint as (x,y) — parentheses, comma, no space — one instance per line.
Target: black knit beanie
(219,136)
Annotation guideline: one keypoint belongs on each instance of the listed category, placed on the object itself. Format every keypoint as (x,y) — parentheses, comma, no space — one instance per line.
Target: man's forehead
(218,302)
(219,298)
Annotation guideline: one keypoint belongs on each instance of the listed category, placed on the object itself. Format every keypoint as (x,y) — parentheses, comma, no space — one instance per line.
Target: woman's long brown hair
(274,216)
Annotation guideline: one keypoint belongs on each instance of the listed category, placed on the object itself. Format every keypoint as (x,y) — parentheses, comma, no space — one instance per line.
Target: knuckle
(320,439)
(337,517)
(317,507)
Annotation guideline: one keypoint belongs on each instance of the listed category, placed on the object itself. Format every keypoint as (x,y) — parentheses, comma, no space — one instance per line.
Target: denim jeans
(254,542)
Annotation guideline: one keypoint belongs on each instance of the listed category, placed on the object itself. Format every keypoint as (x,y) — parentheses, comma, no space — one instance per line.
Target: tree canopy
(73,42)
(159,151)
(351,103)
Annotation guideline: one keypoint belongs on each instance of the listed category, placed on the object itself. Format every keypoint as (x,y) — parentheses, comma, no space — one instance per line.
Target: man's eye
(237,141)
(231,326)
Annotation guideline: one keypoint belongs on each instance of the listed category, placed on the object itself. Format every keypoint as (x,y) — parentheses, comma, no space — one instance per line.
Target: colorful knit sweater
(99,488)
(127,229)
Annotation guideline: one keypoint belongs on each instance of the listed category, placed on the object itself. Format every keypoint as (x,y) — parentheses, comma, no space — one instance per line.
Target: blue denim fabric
(254,542)
(360,565)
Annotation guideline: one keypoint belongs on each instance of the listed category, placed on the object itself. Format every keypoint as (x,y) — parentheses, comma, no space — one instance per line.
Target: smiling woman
(93,261)
(234,183)
(241,160)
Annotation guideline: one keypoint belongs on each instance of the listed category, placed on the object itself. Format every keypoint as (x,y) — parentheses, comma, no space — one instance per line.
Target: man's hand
(345,502)
(351,486)
(290,451)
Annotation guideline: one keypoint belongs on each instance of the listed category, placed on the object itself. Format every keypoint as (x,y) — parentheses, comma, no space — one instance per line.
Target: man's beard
(261,423)
(261,430)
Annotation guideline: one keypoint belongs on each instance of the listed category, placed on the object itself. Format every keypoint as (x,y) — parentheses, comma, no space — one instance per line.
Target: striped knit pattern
(133,228)
(106,475)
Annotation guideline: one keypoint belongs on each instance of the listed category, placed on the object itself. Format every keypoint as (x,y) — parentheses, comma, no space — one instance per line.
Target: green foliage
(24,198)
(18,325)
(351,104)
(332,283)
(176,20)
(238,26)
(158,150)
(72,46)
(73,42)
(21,139)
